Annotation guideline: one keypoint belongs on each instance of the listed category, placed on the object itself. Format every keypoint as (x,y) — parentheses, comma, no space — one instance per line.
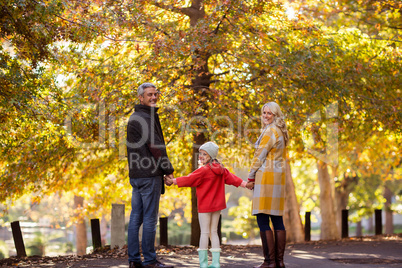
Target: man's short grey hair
(143,86)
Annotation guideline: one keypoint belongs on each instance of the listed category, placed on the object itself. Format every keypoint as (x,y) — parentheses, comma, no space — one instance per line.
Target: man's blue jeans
(144,210)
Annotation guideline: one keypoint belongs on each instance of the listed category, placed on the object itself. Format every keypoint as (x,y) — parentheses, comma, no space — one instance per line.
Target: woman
(268,174)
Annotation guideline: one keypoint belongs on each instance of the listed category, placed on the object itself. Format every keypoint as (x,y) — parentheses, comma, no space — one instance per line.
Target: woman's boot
(280,243)
(203,256)
(268,248)
(216,255)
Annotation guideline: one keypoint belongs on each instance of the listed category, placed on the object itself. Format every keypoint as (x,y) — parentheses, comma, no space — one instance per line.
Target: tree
(343,187)
(291,217)
(81,230)
(216,62)
(191,57)
(33,144)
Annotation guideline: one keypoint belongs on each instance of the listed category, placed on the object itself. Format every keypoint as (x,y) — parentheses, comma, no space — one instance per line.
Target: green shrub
(3,250)
(37,245)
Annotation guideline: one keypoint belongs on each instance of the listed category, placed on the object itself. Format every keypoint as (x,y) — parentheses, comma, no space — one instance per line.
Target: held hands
(169,179)
(250,185)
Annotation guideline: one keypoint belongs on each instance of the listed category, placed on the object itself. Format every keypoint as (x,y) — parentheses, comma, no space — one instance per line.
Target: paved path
(387,253)
(322,254)
(383,252)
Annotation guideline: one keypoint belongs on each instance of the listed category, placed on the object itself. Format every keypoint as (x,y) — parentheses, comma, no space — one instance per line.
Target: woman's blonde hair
(279,119)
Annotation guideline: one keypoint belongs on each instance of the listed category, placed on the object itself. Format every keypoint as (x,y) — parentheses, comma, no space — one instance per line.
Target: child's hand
(250,185)
(169,179)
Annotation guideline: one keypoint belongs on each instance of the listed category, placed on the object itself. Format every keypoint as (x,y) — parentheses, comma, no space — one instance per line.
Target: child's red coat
(210,181)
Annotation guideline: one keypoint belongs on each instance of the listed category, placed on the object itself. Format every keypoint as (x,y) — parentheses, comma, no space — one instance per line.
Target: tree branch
(195,12)
(219,24)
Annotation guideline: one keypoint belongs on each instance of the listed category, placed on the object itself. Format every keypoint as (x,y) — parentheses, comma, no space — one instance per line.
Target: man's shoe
(158,264)
(134,264)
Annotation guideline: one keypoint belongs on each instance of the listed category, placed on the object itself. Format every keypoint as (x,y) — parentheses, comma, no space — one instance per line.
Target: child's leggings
(209,228)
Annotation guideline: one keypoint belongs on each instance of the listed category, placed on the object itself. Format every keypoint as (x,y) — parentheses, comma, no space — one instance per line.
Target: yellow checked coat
(268,170)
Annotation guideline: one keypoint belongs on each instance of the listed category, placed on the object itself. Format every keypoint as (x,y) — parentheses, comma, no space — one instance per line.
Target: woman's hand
(250,185)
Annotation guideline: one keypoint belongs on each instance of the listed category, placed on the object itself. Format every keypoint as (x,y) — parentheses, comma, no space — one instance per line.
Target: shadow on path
(379,251)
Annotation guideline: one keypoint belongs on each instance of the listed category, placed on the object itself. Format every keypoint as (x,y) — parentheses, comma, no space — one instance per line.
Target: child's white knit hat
(211,149)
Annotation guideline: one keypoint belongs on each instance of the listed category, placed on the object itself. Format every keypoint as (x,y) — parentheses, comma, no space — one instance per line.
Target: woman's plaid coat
(268,172)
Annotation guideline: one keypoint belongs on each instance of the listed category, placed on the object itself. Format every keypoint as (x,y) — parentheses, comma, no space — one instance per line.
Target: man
(148,163)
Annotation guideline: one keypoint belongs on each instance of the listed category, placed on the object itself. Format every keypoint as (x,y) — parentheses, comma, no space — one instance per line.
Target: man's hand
(250,185)
(169,179)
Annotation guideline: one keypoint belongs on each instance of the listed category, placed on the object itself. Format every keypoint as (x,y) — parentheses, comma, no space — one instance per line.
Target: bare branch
(169,7)
(219,24)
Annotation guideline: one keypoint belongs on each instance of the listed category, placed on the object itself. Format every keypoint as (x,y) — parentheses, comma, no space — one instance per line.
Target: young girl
(210,180)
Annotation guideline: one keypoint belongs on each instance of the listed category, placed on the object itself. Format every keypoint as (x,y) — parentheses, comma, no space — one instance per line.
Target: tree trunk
(329,230)
(359,231)
(103,229)
(341,198)
(389,224)
(342,191)
(195,225)
(292,220)
(80,227)
(199,139)
(200,83)
(370,227)
(341,201)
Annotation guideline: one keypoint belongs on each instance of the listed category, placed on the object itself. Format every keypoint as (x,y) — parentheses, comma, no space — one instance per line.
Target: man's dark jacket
(146,148)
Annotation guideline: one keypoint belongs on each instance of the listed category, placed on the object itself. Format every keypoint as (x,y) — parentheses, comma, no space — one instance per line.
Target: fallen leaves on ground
(121,253)
(113,253)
